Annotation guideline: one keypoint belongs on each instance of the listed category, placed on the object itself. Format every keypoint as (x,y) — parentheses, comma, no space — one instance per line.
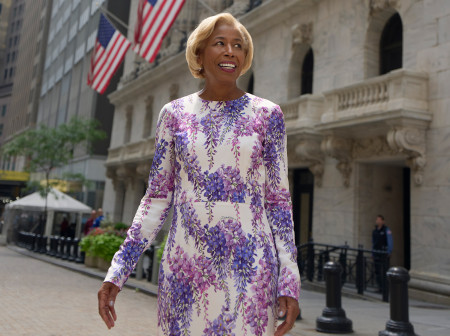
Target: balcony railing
(399,93)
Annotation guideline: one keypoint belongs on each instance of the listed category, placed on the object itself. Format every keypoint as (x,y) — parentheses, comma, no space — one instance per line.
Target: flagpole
(207,7)
(119,21)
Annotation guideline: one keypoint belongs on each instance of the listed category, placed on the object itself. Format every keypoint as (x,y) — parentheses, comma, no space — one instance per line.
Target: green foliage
(160,251)
(46,148)
(120,226)
(86,245)
(105,246)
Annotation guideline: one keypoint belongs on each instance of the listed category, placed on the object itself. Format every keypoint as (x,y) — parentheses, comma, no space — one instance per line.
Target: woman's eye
(238,45)
(219,43)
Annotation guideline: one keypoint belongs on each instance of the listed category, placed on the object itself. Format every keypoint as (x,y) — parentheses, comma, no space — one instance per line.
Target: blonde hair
(197,39)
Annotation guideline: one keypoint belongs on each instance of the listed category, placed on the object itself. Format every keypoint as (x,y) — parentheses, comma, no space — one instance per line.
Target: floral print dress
(230,252)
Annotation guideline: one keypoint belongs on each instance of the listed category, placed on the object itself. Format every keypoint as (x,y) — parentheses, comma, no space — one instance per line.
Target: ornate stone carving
(239,7)
(126,174)
(371,147)
(308,150)
(175,43)
(143,170)
(341,150)
(302,33)
(380,5)
(410,141)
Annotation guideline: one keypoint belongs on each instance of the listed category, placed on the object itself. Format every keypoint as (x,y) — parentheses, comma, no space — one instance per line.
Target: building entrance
(384,189)
(302,204)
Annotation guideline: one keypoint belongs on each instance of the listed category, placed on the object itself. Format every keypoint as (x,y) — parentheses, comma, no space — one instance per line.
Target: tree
(46,148)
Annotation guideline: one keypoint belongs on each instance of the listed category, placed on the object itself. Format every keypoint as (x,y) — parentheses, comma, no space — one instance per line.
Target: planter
(90,261)
(103,264)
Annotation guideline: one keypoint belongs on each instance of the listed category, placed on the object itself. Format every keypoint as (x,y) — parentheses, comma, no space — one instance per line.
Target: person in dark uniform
(381,241)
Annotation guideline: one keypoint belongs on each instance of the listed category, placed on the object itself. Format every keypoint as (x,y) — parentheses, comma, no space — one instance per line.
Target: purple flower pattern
(230,251)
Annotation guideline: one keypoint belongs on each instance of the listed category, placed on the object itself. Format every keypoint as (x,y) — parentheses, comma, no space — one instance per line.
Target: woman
(229,266)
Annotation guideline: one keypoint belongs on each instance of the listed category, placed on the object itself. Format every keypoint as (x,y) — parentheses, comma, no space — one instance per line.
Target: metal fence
(361,268)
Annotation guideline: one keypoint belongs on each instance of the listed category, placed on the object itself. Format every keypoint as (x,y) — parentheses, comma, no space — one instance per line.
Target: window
(391,45)
(11,72)
(307,73)
(6,74)
(12,26)
(16,40)
(13,57)
(1,129)
(3,110)
(7,58)
(10,42)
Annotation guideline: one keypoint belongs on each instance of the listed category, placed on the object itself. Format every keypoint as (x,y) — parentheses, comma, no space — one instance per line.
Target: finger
(282,329)
(282,306)
(112,309)
(104,310)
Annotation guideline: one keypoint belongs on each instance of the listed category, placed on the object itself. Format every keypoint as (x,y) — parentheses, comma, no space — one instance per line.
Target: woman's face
(223,57)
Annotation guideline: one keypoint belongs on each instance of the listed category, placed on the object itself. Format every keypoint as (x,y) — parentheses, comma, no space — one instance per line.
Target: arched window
(250,84)
(307,73)
(391,45)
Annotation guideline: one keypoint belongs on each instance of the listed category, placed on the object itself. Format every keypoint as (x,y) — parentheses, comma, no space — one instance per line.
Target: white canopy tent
(56,201)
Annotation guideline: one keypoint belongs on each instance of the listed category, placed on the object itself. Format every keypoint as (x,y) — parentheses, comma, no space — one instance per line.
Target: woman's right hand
(106,299)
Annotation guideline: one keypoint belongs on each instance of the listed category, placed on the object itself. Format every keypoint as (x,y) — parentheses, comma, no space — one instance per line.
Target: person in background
(64,230)
(381,241)
(99,218)
(90,223)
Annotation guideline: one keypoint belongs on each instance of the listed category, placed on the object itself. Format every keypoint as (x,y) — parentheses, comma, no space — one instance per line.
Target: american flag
(109,51)
(155,17)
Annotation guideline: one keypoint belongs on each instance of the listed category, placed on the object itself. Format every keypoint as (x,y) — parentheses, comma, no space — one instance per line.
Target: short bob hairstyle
(198,37)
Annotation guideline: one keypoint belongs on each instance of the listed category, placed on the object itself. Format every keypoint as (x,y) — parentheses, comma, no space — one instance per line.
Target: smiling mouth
(227,66)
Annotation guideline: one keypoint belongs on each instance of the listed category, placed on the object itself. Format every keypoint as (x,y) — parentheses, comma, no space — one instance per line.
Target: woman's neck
(219,93)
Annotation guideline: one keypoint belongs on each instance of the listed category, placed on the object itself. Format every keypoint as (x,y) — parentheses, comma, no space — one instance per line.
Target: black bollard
(75,253)
(59,247)
(43,248)
(37,243)
(333,319)
(399,324)
(66,250)
(72,251)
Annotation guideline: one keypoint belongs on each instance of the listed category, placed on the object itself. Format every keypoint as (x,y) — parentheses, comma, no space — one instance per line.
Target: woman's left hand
(287,306)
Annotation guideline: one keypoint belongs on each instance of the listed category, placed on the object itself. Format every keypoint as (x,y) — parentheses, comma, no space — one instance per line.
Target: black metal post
(43,248)
(384,282)
(343,262)
(76,254)
(399,324)
(66,249)
(60,247)
(320,268)
(37,243)
(333,319)
(360,270)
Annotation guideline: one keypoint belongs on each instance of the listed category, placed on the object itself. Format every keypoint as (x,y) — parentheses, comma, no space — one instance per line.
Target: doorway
(302,204)
(384,189)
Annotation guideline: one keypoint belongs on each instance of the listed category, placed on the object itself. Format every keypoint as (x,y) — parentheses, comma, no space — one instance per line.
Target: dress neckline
(219,101)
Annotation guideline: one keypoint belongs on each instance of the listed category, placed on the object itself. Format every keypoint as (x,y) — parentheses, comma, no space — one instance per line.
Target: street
(40,299)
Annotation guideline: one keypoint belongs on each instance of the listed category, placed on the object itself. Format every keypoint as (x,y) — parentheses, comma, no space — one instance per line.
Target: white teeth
(227,65)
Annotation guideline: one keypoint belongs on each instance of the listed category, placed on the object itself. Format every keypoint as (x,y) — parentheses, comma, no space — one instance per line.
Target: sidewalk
(368,316)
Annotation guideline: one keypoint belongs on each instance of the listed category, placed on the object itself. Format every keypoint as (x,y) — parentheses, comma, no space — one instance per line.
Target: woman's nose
(229,50)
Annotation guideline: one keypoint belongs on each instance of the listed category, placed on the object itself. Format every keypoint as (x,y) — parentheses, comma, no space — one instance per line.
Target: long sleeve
(278,203)
(154,206)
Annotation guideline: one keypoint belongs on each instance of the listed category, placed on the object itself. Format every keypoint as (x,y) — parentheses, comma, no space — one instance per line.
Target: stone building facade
(364,89)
